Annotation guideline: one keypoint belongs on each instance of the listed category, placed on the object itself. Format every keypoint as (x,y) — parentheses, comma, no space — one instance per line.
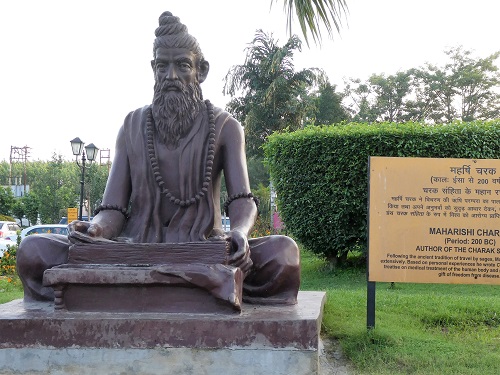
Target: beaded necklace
(208,163)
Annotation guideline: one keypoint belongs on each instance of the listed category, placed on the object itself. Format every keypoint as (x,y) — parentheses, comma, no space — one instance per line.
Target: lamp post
(91,150)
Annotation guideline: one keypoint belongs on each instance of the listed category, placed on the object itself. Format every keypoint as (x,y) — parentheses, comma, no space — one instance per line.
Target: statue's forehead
(169,53)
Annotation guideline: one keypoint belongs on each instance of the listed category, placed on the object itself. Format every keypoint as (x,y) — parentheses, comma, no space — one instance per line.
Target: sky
(77,68)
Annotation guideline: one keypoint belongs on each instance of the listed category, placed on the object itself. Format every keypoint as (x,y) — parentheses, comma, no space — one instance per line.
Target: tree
(274,96)
(329,109)
(54,186)
(390,93)
(31,204)
(474,81)
(464,89)
(257,172)
(7,201)
(18,209)
(262,225)
(95,183)
(360,96)
(312,13)
(4,173)
(423,105)
(381,98)
(57,188)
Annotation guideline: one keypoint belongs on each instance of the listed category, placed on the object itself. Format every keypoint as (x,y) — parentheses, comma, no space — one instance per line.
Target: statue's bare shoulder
(231,131)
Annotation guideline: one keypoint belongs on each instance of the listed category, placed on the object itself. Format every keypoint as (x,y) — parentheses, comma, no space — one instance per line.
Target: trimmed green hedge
(321,172)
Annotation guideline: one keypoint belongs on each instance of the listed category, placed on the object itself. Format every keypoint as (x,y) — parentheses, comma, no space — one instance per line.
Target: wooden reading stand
(125,277)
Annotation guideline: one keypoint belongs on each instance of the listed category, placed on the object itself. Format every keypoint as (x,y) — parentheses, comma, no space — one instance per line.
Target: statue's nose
(171,73)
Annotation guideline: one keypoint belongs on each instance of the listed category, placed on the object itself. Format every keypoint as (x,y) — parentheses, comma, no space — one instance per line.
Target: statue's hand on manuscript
(87,232)
(240,255)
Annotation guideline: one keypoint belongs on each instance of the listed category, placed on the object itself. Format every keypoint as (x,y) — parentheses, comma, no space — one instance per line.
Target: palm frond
(312,13)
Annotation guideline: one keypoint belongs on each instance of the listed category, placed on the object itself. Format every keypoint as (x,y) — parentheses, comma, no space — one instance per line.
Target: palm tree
(274,95)
(311,13)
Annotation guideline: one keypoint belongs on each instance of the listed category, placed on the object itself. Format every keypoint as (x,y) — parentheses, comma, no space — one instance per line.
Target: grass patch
(10,288)
(420,328)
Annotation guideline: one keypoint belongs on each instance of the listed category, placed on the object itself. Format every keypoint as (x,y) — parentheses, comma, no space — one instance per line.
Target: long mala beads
(208,163)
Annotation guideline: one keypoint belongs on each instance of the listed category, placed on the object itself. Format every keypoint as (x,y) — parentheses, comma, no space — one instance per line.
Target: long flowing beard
(174,111)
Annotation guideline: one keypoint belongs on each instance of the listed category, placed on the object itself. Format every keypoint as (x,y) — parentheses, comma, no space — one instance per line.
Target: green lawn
(420,328)
(10,288)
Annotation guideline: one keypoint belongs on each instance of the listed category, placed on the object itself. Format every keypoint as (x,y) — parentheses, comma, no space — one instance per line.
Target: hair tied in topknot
(165,14)
(167,17)
(169,25)
(171,33)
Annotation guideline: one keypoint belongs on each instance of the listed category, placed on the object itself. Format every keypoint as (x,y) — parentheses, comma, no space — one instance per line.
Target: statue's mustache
(168,85)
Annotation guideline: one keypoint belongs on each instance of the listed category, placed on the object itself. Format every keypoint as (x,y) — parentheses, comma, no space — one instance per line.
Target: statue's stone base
(36,339)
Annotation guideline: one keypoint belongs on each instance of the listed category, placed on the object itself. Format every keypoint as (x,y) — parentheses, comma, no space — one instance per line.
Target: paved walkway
(332,360)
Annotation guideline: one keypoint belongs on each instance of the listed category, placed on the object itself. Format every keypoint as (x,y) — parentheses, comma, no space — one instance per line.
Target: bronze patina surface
(164,188)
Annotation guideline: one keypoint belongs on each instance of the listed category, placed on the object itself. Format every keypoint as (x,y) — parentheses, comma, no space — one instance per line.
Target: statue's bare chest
(169,169)
(169,166)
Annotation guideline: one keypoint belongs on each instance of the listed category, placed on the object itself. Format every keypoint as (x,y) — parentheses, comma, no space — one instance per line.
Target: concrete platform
(35,339)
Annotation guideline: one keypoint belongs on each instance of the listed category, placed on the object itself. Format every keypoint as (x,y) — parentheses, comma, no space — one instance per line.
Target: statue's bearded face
(177,95)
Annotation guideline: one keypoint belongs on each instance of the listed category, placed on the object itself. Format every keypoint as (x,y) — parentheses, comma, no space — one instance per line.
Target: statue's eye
(160,67)
(184,66)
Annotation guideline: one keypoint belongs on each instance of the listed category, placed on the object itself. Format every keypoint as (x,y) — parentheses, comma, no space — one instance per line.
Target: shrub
(321,172)
(8,262)
(261,228)
(6,218)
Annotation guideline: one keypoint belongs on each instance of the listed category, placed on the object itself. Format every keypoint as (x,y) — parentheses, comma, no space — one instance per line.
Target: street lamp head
(76,145)
(91,151)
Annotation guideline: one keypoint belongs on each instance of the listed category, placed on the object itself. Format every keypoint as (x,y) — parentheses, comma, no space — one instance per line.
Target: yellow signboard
(72,214)
(434,220)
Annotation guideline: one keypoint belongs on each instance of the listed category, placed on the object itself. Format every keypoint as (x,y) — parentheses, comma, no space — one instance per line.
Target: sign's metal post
(370,305)
(370,287)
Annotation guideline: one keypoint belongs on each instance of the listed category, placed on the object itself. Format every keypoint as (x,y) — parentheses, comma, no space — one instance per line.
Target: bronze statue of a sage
(164,184)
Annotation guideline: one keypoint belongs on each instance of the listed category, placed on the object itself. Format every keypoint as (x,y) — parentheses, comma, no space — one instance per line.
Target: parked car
(23,222)
(33,230)
(45,228)
(64,219)
(8,228)
(7,241)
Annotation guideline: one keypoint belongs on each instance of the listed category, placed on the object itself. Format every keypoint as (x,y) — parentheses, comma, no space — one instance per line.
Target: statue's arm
(241,211)
(108,223)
